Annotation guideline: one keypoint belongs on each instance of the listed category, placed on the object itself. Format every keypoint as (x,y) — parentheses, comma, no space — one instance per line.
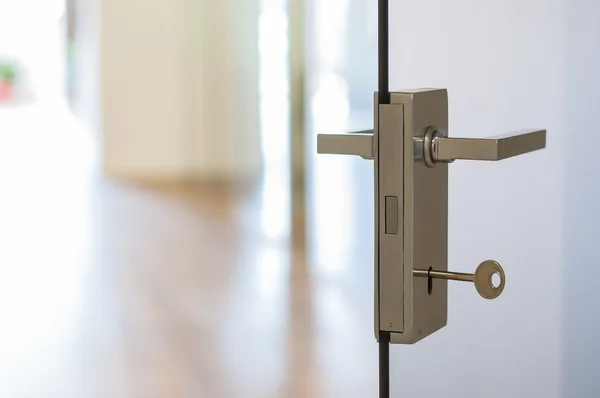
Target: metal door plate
(403,304)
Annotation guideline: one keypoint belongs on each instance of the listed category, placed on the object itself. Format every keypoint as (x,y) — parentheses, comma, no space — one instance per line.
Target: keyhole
(430,282)
(496,280)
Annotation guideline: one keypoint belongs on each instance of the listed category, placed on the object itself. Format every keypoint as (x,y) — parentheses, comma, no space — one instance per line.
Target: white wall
(180,89)
(504,63)
(581,270)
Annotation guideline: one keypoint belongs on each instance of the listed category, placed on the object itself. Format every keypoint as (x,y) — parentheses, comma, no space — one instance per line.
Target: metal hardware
(411,151)
(390,242)
(424,199)
(482,278)
(439,148)
(411,211)
(359,143)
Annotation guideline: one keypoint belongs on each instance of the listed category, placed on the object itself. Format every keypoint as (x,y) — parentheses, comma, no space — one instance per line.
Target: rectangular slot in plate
(391,215)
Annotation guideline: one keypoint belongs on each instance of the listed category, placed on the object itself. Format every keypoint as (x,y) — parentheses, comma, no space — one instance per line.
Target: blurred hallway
(111,289)
(115,291)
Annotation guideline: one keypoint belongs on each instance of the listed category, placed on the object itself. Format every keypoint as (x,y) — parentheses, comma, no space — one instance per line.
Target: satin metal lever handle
(358,143)
(441,149)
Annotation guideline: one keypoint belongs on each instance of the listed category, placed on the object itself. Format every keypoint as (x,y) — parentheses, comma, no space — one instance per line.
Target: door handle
(358,143)
(439,148)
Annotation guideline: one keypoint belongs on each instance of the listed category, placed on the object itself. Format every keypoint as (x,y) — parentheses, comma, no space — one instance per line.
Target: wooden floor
(112,290)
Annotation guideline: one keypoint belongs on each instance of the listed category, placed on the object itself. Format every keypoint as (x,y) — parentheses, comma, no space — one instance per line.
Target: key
(489,278)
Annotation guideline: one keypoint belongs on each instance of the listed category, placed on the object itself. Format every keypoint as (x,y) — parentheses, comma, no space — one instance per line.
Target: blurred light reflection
(330,109)
(274,117)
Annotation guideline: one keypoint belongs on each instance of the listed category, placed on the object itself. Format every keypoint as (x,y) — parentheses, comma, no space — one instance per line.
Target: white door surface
(508,65)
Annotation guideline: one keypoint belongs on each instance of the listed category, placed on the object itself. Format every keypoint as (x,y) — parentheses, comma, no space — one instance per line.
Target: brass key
(483,278)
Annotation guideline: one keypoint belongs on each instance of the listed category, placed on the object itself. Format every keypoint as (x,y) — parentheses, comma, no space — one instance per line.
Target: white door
(507,64)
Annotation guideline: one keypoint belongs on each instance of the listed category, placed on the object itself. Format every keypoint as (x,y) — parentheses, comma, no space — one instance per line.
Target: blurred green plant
(8,72)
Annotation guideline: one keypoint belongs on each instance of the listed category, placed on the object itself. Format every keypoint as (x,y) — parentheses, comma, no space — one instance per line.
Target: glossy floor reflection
(110,290)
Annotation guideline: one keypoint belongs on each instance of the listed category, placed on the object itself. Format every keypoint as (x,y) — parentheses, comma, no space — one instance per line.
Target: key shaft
(452,276)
